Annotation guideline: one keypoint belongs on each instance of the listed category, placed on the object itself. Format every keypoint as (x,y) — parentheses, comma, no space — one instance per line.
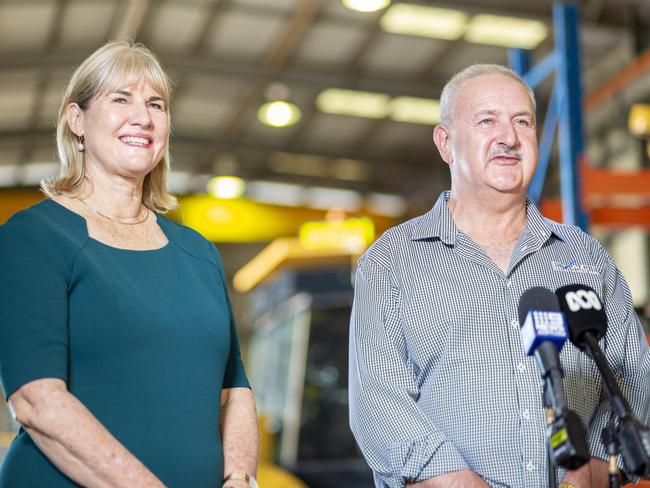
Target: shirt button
(514,323)
(525,414)
(508,283)
(523,248)
(521,367)
(530,466)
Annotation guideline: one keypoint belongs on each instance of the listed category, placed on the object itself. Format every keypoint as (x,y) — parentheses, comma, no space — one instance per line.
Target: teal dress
(144,339)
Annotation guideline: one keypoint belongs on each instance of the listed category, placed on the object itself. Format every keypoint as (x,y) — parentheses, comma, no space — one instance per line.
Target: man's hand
(594,474)
(456,479)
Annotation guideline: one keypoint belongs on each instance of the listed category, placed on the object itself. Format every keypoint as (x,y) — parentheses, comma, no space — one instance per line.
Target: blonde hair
(112,66)
(448,97)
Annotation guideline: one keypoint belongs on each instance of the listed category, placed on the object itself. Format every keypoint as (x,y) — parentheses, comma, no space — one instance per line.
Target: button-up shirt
(439,381)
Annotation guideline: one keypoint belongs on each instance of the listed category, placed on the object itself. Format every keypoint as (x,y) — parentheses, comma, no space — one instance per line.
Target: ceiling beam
(207,25)
(133,14)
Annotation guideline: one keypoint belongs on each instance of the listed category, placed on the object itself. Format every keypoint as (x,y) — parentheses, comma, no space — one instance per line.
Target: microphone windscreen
(584,312)
(537,298)
(541,320)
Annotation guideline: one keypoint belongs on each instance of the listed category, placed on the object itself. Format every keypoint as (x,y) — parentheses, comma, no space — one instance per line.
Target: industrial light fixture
(366,5)
(355,103)
(638,121)
(278,113)
(180,182)
(415,110)
(33,173)
(418,20)
(226,187)
(8,175)
(328,198)
(503,31)
(275,193)
(386,204)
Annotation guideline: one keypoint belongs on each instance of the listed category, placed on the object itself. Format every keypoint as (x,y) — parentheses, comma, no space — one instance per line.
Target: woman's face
(125,131)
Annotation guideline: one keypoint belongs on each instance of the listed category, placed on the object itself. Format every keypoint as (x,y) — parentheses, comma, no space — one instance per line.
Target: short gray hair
(448,97)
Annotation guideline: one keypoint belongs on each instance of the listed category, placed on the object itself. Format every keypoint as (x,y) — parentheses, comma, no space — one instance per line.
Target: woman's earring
(81,145)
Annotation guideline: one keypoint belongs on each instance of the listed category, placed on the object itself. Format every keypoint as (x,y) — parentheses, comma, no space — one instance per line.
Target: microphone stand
(609,440)
(566,436)
(547,401)
(630,438)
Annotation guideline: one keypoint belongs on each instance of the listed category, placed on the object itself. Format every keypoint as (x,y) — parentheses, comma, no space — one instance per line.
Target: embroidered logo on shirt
(574,267)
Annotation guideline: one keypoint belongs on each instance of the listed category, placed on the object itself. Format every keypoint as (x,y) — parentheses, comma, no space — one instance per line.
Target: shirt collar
(438,223)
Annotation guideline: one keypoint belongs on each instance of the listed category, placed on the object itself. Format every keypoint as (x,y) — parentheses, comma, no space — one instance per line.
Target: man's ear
(442,139)
(75,117)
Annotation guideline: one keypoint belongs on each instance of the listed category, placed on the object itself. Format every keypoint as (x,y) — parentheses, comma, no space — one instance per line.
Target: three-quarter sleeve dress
(144,339)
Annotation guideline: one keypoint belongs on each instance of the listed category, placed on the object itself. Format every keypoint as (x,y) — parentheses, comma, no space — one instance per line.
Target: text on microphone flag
(543,325)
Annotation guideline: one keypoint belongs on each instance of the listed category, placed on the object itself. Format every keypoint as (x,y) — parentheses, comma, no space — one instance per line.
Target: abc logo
(582,299)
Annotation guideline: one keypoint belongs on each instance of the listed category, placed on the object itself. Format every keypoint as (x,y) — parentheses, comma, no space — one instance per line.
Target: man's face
(491,143)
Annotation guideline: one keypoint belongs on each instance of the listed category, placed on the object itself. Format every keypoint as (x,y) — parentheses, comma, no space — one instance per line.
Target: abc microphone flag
(587,321)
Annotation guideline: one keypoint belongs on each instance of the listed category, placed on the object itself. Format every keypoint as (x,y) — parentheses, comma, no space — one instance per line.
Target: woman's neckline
(84,222)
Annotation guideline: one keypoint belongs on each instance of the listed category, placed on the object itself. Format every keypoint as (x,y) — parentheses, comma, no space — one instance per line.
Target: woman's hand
(74,440)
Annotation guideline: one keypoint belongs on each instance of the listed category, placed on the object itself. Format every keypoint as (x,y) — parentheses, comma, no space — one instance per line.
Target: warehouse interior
(302,129)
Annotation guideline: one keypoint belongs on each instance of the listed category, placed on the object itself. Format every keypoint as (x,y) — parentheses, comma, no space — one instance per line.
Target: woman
(118,351)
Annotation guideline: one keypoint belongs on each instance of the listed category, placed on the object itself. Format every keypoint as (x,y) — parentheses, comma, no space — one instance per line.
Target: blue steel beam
(545,149)
(569,107)
(519,60)
(542,70)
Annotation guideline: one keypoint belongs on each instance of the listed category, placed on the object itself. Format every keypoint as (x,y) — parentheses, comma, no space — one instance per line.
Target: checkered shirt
(438,378)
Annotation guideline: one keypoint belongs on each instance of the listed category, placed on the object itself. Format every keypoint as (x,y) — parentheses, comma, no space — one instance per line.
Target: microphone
(543,333)
(587,322)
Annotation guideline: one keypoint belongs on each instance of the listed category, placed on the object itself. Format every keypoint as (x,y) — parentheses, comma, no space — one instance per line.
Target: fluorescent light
(279,114)
(417,20)
(497,30)
(8,175)
(366,5)
(385,204)
(226,187)
(328,198)
(33,173)
(377,106)
(275,193)
(355,103)
(180,182)
(415,110)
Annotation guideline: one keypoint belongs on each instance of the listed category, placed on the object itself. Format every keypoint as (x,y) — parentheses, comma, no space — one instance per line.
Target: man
(441,394)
